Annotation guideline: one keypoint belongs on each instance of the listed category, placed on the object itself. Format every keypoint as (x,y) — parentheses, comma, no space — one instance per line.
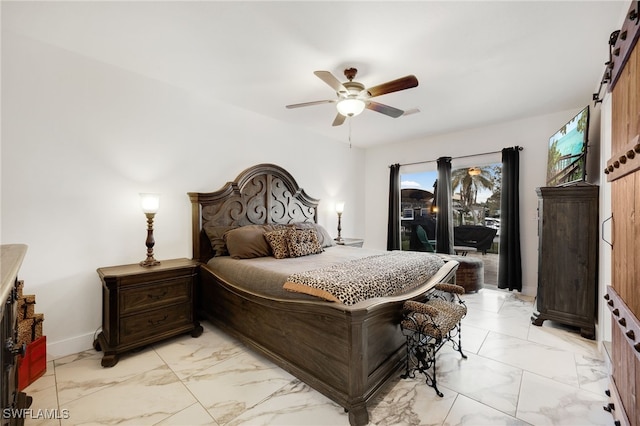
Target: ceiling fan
(353,97)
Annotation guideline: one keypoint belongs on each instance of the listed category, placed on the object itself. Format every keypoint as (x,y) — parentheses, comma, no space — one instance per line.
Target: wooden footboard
(346,353)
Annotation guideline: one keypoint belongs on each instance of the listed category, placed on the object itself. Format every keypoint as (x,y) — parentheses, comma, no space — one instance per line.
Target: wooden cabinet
(12,401)
(568,256)
(142,305)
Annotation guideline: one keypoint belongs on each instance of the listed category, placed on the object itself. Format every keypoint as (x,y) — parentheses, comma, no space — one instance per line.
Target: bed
(345,351)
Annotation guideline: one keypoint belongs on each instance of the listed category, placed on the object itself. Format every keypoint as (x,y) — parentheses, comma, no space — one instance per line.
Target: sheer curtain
(393,231)
(444,217)
(510,270)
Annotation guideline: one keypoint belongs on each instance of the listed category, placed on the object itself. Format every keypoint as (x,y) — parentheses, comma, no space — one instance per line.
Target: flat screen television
(567,161)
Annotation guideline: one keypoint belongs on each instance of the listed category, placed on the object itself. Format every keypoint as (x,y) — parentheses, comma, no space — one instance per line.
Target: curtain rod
(462,156)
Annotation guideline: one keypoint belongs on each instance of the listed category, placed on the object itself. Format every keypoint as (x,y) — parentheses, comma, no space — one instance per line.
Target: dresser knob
(631,335)
(616,312)
(622,322)
(14,349)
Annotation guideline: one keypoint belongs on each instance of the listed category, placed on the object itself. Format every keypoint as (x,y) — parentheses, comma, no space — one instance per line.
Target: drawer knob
(157,296)
(14,349)
(622,322)
(631,335)
(616,312)
(160,321)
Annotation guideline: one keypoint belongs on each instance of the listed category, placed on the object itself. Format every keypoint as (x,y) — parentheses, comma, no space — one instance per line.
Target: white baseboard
(74,345)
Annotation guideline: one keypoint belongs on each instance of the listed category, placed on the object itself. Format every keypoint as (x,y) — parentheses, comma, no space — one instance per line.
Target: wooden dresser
(568,256)
(623,173)
(12,401)
(142,305)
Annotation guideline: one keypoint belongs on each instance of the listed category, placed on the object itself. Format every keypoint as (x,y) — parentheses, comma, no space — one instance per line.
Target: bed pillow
(248,242)
(324,238)
(216,237)
(278,242)
(303,242)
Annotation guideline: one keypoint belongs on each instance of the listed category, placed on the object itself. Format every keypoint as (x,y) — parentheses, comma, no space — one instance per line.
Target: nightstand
(143,305)
(353,242)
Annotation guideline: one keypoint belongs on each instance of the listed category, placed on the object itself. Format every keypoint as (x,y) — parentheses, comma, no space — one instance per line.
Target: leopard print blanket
(374,276)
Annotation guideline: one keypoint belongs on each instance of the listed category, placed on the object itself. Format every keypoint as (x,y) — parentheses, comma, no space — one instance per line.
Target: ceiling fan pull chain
(350,131)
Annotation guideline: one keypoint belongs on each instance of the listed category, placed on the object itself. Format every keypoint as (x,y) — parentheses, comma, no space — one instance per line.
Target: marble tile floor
(515,374)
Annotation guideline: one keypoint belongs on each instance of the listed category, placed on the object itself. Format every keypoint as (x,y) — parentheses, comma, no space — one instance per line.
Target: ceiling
(478,63)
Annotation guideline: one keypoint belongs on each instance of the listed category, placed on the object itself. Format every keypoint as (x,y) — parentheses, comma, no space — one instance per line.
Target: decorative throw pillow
(278,241)
(324,238)
(216,237)
(302,242)
(248,242)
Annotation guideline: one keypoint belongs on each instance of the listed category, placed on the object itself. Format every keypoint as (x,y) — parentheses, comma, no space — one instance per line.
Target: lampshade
(339,206)
(149,202)
(350,107)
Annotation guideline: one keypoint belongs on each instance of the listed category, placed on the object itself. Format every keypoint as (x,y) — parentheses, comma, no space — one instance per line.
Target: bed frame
(345,352)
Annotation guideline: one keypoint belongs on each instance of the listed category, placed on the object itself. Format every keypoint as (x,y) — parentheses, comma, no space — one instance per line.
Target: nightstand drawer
(152,323)
(155,295)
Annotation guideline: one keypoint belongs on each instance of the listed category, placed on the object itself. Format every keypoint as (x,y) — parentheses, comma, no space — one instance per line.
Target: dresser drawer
(155,295)
(150,324)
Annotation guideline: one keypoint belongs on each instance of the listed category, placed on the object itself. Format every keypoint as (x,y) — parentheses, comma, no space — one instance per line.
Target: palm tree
(470,181)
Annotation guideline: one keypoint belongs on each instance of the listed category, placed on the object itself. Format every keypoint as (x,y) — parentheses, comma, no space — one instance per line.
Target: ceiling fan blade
(339,120)
(393,86)
(331,80)
(411,111)
(384,109)
(305,104)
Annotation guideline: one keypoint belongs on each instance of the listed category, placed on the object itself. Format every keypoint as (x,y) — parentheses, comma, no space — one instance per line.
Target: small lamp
(339,210)
(149,204)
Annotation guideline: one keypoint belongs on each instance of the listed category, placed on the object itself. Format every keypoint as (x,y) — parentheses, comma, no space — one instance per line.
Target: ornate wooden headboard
(261,194)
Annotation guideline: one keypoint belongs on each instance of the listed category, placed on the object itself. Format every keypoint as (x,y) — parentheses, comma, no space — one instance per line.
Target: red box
(34,363)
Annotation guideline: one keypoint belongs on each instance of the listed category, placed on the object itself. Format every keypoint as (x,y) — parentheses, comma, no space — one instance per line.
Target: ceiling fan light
(350,107)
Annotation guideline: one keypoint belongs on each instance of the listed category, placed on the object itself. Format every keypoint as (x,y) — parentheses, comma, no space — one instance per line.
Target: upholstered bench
(428,326)
(470,273)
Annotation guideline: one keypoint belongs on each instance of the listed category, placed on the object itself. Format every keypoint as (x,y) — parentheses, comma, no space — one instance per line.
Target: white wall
(532,134)
(81,139)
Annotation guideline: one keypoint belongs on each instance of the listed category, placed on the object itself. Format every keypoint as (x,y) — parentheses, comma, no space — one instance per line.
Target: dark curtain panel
(393,232)
(444,217)
(510,270)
